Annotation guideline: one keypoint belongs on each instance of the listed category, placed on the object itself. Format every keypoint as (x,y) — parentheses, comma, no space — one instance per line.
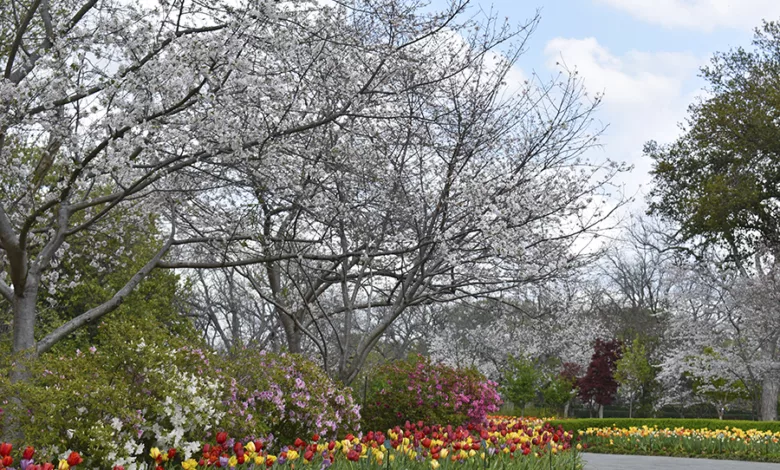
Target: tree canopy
(721,179)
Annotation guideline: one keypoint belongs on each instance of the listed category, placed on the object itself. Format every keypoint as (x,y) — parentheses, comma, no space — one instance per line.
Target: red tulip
(238,447)
(308,455)
(33,466)
(299,442)
(8,461)
(258,445)
(119,467)
(5,449)
(221,437)
(74,459)
(426,443)
(171,454)
(315,437)
(28,453)
(48,466)
(159,468)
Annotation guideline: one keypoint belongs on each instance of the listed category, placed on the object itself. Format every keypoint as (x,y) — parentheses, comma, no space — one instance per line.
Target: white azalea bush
(137,387)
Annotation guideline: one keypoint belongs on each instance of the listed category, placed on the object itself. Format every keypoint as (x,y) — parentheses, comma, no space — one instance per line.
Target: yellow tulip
(250,446)
(154,453)
(434,464)
(189,464)
(63,465)
(232,461)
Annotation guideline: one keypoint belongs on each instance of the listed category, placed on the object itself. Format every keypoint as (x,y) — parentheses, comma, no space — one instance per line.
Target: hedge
(671,423)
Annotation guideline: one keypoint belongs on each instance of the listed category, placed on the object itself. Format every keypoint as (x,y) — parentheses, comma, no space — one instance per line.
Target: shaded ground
(641,462)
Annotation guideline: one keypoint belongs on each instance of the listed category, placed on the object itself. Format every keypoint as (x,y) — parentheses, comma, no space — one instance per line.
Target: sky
(644,55)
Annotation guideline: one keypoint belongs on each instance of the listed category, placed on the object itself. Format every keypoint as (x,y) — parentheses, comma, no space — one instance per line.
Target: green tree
(634,372)
(720,181)
(558,391)
(521,381)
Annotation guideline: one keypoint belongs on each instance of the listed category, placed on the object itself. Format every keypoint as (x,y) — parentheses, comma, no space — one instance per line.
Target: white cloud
(645,96)
(700,15)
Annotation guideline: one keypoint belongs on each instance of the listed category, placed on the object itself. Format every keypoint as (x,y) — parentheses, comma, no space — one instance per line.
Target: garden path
(642,462)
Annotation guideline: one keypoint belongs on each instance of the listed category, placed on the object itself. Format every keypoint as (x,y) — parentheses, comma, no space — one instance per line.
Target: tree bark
(770,387)
(601,411)
(23,350)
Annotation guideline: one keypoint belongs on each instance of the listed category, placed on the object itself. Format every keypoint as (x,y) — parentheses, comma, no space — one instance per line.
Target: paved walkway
(642,462)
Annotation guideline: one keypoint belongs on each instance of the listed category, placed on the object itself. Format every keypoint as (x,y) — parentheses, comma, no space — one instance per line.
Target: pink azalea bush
(285,395)
(417,389)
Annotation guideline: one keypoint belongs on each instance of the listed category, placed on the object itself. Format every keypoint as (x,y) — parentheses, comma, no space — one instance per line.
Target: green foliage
(521,381)
(137,386)
(721,179)
(576,425)
(634,372)
(557,392)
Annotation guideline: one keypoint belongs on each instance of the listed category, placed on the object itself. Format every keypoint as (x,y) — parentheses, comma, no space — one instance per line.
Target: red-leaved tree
(598,385)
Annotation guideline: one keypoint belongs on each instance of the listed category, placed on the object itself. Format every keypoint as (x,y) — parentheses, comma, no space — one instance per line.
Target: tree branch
(9,66)
(17,256)
(93,314)
(6,291)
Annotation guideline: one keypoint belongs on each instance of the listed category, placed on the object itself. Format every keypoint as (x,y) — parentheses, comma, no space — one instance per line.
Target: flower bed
(500,443)
(725,443)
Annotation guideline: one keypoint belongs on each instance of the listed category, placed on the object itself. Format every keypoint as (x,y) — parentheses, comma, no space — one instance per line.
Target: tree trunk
(566,409)
(601,411)
(631,406)
(23,350)
(24,318)
(770,387)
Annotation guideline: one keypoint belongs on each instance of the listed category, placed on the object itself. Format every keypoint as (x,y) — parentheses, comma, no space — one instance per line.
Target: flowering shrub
(417,389)
(136,388)
(141,387)
(284,395)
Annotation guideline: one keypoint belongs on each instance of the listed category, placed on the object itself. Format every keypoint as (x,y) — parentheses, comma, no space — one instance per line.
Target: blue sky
(644,55)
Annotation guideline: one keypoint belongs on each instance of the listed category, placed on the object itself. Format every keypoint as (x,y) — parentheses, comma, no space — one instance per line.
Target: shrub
(285,395)
(137,387)
(417,389)
(140,387)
